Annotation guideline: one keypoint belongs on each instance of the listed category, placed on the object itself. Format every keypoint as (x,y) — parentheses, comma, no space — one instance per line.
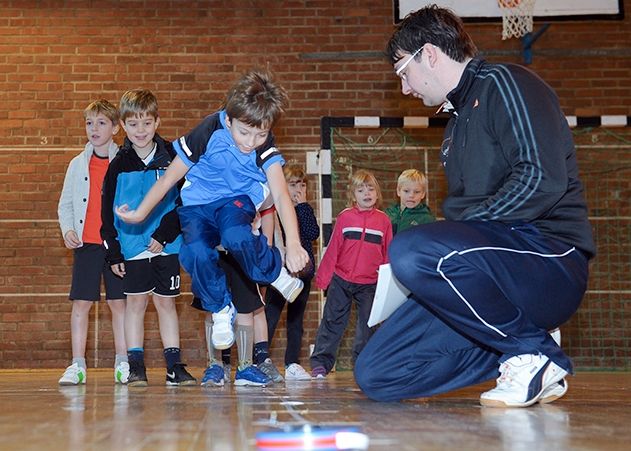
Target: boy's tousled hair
(138,102)
(294,171)
(412,175)
(103,107)
(359,178)
(256,99)
(434,25)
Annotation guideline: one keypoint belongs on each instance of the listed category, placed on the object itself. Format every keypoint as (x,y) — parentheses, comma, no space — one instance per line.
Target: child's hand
(296,258)
(119,269)
(155,247)
(127,215)
(71,240)
(299,194)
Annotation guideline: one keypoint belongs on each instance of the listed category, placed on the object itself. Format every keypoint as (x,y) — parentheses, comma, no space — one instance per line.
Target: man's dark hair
(434,25)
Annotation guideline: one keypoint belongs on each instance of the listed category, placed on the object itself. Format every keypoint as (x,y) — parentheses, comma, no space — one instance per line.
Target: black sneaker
(177,375)
(137,374)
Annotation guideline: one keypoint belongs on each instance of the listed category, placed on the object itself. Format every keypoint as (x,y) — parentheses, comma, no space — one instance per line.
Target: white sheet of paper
(389,296)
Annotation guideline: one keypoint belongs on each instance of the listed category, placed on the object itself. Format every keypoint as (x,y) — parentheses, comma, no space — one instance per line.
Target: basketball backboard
(488,10)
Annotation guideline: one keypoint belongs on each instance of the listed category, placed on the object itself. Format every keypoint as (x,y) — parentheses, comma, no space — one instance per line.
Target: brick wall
(57,56)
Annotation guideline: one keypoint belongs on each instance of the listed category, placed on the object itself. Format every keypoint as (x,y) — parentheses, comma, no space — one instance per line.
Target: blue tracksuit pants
(227,222)
(482,292)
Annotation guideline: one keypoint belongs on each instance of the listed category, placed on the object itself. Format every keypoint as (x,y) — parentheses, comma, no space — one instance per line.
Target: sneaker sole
(212,384)
(298,378)
(138,384)
(244,383)
(70,384)
(294,294)
(182,384)
(223,345)
(552,394)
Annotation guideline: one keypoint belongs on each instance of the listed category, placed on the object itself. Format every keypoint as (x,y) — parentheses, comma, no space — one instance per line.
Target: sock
(80,361)
(136,355)
(245,337)
(226,354)
(261,352)
(119,359)
(212,352)
(172,356)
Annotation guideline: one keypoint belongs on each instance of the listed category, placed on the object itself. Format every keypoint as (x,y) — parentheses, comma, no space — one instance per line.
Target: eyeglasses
(399,71)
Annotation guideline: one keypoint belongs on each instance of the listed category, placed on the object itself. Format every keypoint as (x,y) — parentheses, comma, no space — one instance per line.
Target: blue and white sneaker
(524,380)
(223,331)
(252,376)
(213,376)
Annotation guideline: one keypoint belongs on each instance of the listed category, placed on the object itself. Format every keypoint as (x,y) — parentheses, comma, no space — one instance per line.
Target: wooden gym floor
(38,414)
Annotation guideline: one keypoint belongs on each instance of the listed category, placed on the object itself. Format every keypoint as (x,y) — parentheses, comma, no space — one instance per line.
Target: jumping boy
(146,255)
(79,214)
(231,164)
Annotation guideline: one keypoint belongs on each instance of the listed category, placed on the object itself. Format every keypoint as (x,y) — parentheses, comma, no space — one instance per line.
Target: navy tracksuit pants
(337,310)
(482,292)
(227,222)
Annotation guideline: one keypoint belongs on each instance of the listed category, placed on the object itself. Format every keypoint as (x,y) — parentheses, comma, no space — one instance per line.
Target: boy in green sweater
(411,210)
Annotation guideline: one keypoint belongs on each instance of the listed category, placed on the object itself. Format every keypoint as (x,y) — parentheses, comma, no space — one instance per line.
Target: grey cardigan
(73,202)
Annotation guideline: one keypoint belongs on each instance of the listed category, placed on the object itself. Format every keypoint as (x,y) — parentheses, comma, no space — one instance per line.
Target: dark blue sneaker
(179,376)
(251,375)
(213,376)
(137,374)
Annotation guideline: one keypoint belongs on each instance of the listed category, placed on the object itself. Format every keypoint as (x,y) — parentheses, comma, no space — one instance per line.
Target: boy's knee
(235,238)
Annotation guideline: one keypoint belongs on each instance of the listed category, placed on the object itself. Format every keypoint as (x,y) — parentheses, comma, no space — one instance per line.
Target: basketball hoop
(516,17)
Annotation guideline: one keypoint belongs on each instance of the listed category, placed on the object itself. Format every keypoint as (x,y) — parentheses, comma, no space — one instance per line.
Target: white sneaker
(74,375)
(523,381)
(223,332)
(294,372)
(121,373)
(287,285)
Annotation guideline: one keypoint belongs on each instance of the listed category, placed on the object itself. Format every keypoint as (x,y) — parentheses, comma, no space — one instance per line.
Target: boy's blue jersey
(127,181)
(218,169)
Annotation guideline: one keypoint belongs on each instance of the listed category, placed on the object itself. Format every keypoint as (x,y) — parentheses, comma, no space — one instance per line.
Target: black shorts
(87,269)
(246,296)
(159,275)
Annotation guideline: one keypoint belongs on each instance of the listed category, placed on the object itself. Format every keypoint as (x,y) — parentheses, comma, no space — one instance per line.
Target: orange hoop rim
(508,3)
